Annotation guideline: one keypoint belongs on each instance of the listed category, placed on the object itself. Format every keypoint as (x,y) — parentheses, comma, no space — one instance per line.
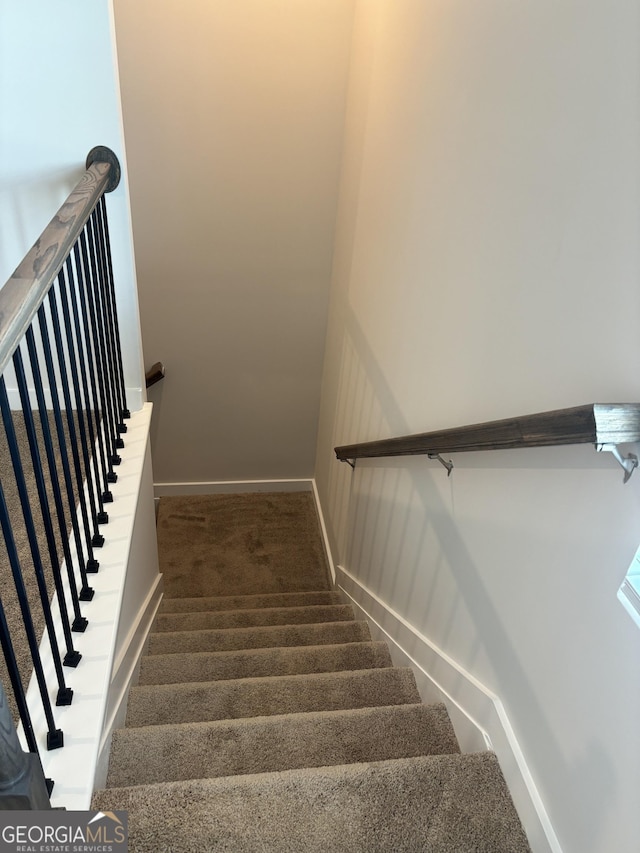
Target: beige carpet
(240,544)
(271,722)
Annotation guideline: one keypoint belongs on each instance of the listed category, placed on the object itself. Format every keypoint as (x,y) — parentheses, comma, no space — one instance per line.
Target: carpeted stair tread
(257,663)
(205,620)
(281,732)
(250,602)
(240,544)
(227,639)
(439,804)
(283,742)
(288,694)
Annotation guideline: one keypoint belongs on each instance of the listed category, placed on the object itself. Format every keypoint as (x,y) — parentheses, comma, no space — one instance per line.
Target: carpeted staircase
(269,721)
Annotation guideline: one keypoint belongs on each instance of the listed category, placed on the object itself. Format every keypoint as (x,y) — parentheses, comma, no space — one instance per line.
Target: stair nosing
(247,630)
(340,674)
(254,596)
(264,627)
(328,769)
(273,719)
(297,608)
(265,649)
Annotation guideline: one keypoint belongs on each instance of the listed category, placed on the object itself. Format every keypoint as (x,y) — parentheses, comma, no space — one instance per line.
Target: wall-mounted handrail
(154,374)
(24,292)
(604,425)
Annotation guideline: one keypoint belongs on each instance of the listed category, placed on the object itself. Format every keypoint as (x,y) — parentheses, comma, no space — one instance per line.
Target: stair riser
(183,703)
(230,639)
(249,602)
(201,621)
(259,663)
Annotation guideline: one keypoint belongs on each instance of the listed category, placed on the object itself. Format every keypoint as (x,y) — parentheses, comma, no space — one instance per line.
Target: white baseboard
(478,715)
(231,487)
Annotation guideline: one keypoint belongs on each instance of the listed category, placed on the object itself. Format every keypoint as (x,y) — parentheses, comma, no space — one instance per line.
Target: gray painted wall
(487,264)
(233,117)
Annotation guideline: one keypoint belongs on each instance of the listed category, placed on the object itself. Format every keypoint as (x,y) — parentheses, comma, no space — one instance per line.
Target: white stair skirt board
(478,716)
(127,594)
(324,534)
(231,487)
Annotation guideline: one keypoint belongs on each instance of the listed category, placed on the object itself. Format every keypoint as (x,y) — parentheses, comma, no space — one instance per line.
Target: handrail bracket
(448,465)
(629,462)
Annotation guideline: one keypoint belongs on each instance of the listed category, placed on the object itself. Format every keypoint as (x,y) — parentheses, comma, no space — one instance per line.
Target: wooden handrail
(24,292)
(595,423)
(154,374)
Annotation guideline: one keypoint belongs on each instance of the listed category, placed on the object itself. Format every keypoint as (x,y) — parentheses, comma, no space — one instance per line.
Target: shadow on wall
(396,526)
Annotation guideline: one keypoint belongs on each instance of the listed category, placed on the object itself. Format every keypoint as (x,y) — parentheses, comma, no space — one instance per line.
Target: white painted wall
(59,97)
(487,264)
(233,117)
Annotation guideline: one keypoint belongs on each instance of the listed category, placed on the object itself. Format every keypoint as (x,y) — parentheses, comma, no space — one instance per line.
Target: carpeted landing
(265,719)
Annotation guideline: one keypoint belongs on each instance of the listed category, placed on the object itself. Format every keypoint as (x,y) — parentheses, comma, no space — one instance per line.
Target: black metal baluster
(90,344)
(93,452)
(93,298)
(54,736)
(91,447)
(102,299)
(7,647)
(90,535)
(86,592)
(79,623)
(110,292)
(65,694)
(72,657)
(105,334)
